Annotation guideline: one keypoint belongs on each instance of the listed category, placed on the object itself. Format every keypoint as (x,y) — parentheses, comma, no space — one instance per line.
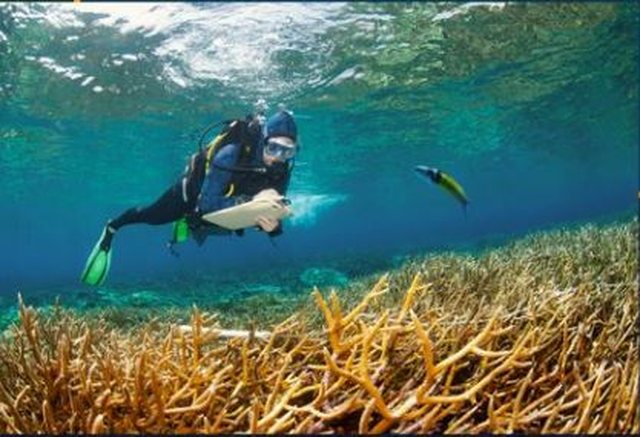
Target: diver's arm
(212,195)
(281,186)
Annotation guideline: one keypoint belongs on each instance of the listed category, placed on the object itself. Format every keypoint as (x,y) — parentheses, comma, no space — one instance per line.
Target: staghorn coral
(539,336)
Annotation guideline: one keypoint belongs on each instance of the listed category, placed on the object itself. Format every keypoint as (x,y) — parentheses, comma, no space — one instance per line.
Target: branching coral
(538,337)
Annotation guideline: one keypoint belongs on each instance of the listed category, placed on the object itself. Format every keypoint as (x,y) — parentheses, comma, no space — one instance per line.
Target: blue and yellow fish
(446,181)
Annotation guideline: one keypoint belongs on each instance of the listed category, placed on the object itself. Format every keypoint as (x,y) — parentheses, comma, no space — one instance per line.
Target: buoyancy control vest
(246,133)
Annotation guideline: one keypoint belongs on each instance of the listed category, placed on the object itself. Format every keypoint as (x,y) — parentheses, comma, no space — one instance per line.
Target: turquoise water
(532,107)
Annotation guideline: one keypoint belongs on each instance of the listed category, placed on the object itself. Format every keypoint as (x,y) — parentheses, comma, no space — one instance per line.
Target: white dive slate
(267,203)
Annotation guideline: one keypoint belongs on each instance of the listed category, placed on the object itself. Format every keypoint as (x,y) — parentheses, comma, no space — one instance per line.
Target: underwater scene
(456,246)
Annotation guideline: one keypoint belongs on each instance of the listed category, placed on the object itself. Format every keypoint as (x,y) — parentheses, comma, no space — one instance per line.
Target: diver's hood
(282,124)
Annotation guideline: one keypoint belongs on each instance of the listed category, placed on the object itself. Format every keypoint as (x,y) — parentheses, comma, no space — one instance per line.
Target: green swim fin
(98,263)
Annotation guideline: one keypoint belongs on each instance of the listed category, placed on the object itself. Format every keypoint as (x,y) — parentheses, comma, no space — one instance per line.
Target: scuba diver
(248,157)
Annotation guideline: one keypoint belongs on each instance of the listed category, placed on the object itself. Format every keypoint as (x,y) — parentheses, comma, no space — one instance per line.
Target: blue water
(532,107)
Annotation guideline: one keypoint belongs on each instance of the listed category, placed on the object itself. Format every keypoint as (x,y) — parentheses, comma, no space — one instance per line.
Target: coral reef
(539,336)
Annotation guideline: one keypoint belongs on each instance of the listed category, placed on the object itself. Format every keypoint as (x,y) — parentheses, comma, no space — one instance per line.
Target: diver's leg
(168,208)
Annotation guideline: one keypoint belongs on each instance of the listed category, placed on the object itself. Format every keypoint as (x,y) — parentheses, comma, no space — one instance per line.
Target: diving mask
(281,148)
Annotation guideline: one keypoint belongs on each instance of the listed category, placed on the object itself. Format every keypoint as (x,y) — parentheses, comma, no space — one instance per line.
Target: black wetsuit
(166,209)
